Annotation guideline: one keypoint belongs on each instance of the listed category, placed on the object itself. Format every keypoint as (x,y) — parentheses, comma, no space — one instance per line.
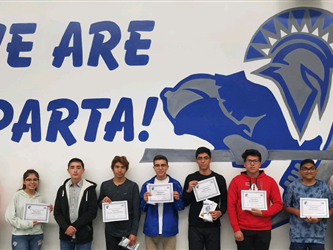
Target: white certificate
(160,193)
(206,189)
(253,199)
(36,212)
(115,211)
(315,208)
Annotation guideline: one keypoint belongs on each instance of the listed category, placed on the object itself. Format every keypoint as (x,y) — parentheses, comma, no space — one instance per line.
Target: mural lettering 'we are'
(233,113)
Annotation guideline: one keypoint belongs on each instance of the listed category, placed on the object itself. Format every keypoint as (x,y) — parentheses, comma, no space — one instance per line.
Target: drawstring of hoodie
(253,186)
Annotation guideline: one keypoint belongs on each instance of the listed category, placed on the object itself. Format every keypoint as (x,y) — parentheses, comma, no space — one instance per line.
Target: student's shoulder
(18,194)
(295,184)
(322,184)
(192,176)
(63,185)
(131,183)
(90,184)
(218,176)
(107,182)
(151,180)
(173,179)
(266,177)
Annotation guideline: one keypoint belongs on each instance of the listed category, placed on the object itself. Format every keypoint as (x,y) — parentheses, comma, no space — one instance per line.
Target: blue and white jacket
(170,212)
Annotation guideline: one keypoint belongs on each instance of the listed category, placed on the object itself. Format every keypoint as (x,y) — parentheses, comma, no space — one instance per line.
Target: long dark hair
(26,174)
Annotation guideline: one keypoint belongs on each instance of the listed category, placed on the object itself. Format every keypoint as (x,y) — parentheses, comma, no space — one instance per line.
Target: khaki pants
(169,243)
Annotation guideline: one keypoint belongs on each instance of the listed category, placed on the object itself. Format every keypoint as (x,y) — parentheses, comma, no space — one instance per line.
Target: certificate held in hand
(115,211)
(253,199)
(314,208)
(206,189)
(36,212)
(160,193)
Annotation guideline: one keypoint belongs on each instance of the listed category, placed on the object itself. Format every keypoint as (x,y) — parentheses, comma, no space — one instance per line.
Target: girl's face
(31,182)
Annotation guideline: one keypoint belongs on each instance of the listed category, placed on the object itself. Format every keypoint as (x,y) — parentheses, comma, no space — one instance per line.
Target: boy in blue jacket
(161,221)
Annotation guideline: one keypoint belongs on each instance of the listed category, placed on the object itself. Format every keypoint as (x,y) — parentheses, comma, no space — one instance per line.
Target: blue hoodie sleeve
(178,204)
(143,203)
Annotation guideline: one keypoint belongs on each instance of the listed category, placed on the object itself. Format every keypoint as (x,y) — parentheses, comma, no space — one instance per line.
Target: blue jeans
(27,242)
(70,245)
(305,246)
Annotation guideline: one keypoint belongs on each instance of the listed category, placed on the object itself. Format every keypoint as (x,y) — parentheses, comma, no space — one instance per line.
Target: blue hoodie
(170,212)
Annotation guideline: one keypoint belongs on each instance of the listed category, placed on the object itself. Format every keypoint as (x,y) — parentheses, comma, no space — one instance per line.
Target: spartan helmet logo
(298,44)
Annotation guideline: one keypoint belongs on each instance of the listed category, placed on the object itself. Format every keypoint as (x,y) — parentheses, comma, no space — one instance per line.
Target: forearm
(292,210)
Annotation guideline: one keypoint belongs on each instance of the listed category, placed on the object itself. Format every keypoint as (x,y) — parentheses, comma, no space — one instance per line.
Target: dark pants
(200,238)
(306,246)
(254,240)
(112,242)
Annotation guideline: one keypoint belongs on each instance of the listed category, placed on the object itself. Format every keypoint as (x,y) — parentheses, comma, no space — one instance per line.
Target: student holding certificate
(26,234)
(124,193)
(307,231)
(253,197)
(161,221)
(202,233)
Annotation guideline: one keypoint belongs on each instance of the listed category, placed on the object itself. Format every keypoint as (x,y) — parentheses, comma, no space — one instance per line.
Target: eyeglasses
(252,161)
(162,165)
(206,158)
(29,180)
(312,169)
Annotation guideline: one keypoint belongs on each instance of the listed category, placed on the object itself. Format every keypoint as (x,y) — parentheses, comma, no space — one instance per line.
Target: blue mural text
(71,44)
(64,113)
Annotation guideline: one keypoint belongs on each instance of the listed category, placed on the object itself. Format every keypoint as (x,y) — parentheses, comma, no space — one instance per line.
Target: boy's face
(161,167)
(203,160)
(75,170)
(308,171)
(252,164)
(119,170)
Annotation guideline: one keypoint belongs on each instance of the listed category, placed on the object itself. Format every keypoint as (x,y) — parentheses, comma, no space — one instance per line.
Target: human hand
(106,200)
(132,239)
(239,236)
(145,196)
(191,185)
(256,212)
(216,214)
(313,220)
(70,231)
(51,208)
(176,195)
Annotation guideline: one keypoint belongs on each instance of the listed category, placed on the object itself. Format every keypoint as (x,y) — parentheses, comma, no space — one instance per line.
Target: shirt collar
(78,184)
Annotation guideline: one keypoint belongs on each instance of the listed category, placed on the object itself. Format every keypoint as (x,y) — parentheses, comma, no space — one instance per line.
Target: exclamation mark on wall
(148,116)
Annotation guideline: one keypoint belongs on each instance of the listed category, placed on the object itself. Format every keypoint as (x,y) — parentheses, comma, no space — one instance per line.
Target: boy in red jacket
(252,227)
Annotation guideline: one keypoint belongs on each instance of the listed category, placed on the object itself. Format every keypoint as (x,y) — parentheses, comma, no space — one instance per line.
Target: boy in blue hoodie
(161,221)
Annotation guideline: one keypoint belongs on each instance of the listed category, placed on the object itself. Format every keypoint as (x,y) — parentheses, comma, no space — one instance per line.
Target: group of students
(76,207)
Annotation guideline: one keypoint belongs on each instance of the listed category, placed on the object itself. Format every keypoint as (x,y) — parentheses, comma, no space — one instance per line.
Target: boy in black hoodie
(75,208)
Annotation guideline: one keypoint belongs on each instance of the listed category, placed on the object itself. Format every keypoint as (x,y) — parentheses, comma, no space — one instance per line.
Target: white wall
(188,38)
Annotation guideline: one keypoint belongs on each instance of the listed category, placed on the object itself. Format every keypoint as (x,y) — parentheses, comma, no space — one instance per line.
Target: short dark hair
(202,150)
(307,161)
(75,160)
(122,159)
(160,157)
(252,152)
(26,174)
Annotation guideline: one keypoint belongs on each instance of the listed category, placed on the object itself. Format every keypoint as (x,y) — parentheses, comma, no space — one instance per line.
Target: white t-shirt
(160,205)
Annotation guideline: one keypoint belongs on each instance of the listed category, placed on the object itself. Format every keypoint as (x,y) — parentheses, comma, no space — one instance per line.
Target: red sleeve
(232,205)
(275,199)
